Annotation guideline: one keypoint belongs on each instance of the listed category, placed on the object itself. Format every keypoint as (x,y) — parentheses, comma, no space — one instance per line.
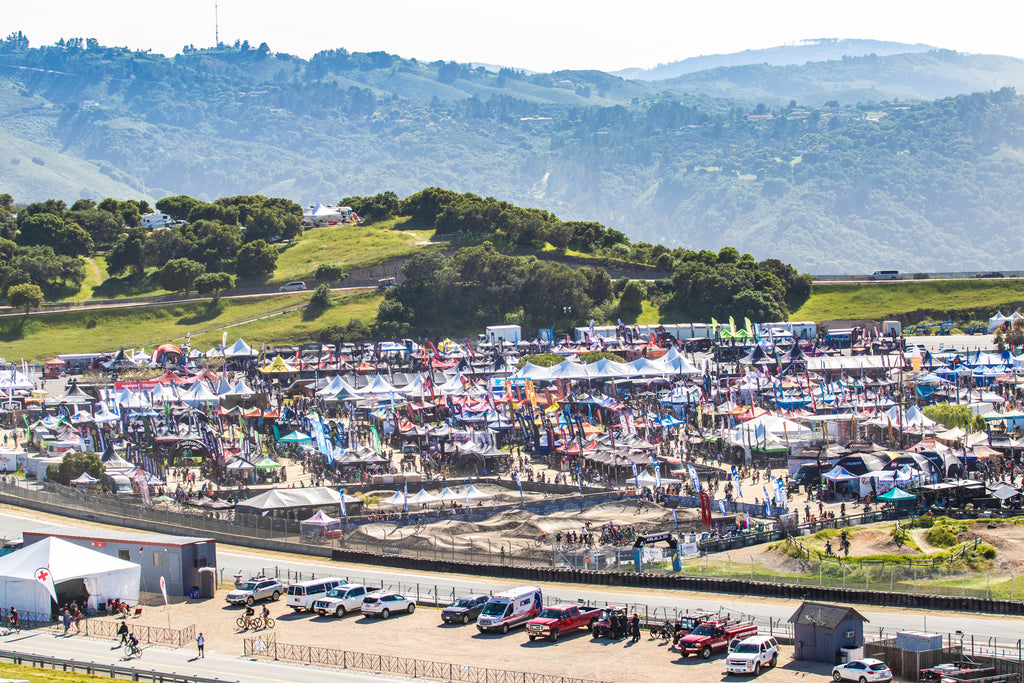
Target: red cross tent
(78,574)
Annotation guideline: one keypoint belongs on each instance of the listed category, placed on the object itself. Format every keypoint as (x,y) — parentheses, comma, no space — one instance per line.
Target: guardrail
(104,670)
(269,648)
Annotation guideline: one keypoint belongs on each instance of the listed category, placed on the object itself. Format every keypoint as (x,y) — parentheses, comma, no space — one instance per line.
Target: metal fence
(151,635)
(269,648)
(104,670)
(907,665)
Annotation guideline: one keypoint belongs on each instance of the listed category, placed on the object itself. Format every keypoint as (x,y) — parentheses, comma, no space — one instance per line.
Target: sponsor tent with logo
(78,574)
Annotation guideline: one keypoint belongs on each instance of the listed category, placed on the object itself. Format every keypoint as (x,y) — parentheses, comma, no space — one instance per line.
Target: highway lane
(179,661)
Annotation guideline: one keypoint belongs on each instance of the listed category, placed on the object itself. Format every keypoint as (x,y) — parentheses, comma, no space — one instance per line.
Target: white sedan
(863,671)
(384,604)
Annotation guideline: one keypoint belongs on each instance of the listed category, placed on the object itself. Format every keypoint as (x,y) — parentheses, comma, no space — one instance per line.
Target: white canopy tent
(72,568)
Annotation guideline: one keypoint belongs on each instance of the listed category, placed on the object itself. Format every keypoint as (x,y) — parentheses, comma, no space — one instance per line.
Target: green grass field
(40,337)
(349,246)
(879,301)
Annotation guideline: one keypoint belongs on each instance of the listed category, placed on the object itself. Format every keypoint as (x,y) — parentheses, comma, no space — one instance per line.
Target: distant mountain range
(903,157)
(818,50)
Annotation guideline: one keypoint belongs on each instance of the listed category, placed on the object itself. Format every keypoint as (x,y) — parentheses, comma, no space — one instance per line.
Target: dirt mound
(874,542)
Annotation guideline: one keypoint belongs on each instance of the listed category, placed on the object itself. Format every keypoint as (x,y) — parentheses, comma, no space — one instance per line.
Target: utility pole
(216,27)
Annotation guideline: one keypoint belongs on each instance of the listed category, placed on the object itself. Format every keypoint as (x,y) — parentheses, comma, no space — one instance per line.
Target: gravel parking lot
(422,635)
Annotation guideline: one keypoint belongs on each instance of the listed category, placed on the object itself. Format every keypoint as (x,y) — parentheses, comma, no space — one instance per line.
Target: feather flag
(767,503)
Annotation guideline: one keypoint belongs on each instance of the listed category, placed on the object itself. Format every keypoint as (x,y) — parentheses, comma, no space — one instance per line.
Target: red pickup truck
(553,621)
(714,636)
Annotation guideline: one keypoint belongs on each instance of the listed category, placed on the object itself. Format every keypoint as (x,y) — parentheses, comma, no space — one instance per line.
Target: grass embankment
(349,246)
(36,674)
(40,337)
(878,301)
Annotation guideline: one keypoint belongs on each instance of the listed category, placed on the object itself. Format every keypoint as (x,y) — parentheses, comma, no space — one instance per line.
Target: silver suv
(255,589)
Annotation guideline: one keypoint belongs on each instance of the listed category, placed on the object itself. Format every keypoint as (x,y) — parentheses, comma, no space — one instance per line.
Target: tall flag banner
(748,522)
(694,479)
(519,484)
(675,520)
(721,506)
(163,589)
(405,496)
(636,478)
(657,473)
(767,503)
(344,512)
(44,577)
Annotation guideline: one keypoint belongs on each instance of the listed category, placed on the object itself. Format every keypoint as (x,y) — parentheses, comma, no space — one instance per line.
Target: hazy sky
(541,35)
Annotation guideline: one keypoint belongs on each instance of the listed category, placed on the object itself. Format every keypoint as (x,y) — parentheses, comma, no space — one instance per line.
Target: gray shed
(820,631)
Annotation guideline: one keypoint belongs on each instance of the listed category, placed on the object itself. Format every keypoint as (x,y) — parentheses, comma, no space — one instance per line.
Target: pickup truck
(714,636)
(553,621)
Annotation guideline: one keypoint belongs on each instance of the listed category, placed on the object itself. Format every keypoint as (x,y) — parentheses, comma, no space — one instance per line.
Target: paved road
(427,585)
(179,661)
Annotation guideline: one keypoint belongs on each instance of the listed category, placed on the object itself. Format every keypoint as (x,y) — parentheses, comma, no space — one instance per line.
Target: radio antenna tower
(216,28)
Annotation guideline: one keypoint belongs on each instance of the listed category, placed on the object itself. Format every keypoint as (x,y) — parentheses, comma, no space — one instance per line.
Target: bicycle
(664,631)
(267,623)
(245,623)
(12,627)
(132,650)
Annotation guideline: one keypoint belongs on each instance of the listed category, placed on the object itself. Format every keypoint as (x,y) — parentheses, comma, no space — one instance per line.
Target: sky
(538,35)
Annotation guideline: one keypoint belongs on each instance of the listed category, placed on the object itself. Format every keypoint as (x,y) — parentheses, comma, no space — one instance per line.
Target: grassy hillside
(880,301)
(276,319)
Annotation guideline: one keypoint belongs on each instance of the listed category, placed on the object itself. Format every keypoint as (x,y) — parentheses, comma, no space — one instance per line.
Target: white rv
(511,608)
(156,220)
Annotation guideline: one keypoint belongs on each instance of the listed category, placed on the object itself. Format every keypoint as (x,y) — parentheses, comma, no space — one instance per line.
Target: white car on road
(384,604)
(338,601)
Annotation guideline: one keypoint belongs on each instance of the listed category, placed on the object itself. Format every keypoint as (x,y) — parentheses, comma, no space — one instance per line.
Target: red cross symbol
(42,575)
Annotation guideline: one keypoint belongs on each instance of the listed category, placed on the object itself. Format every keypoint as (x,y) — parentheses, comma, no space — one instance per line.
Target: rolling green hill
(834,166)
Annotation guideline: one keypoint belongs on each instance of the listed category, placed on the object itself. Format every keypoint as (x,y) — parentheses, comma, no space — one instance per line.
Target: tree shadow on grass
(12,329)
(311,313)
(205,314)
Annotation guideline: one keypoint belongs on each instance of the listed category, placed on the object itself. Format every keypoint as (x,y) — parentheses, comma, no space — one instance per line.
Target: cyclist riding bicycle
(13,618)
(266,613)
(249,612)
(132,640)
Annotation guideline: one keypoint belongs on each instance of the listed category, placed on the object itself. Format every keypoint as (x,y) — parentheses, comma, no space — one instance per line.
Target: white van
(885,275)
(510,608)
(302,595)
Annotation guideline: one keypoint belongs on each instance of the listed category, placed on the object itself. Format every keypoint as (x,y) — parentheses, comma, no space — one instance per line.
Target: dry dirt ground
(422,635)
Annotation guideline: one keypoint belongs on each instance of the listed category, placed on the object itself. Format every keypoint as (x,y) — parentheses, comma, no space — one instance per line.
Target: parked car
(301,596)
(991,274)
(382,604)
(296,286)
(338,601)
(751,654)
(464,610)
(862,670)
(255,589)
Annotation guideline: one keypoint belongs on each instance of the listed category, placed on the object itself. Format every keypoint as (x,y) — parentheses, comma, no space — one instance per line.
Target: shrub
(940,536)
(986,551)
(321,297)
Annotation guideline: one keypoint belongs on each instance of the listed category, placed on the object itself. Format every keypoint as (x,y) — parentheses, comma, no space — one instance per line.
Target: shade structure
(71,568)
(398,499)
(837,473)
(473,493)
(422,497)
(296,437)
(896,494)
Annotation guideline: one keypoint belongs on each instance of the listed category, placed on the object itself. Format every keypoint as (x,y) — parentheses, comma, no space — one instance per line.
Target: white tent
(238,350)
(473,493)
(646,479)
(996,320)
(71,567)
(422,497)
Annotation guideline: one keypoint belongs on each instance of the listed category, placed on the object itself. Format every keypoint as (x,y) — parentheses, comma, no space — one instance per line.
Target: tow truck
(553,621)
(714,636)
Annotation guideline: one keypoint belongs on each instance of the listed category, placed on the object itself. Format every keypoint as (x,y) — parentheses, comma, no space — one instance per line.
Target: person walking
(200,644)
(65,617)
(122,631)
(634,628)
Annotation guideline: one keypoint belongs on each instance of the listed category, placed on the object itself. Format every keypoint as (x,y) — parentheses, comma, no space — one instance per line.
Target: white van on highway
(885,275)
(511,608)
